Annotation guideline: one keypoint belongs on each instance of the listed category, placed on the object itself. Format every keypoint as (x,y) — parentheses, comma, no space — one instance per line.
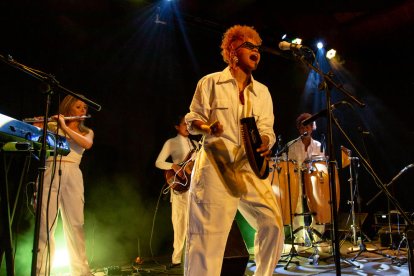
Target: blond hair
(65,107)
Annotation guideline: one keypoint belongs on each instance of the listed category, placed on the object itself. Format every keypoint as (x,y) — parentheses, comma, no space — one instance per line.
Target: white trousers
(179,204)
(217,191)
(68,199)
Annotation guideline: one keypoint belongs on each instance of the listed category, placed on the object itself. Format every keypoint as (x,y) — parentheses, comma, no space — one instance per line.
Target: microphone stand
(48,82)
(409,231)
(327,78)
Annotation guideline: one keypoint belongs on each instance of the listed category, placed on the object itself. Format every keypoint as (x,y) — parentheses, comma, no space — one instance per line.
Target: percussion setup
(303,190)
(309,179)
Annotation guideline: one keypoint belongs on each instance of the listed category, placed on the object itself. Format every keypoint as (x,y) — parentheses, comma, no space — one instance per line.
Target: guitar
(181,184)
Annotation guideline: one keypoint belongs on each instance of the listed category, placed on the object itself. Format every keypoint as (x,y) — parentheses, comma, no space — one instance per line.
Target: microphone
(321,113)
(286,46)
(363,132)
(279,142)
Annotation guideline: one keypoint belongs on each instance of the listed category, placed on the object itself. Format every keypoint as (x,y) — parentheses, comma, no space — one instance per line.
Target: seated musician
(304,149)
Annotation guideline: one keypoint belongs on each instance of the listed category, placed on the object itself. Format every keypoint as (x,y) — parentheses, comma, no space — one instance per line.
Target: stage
(383,261)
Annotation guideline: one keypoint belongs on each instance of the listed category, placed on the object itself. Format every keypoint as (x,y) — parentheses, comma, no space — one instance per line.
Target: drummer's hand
(264,147)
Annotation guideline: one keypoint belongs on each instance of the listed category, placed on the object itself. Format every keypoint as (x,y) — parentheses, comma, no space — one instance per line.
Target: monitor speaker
(236,255)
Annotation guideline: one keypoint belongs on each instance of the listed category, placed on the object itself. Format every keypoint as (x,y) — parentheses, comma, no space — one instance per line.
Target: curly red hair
(237,33)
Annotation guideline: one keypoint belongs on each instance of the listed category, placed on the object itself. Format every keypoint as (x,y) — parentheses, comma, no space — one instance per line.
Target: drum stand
(354,192)
(292,253)
(360,240)
(308,230)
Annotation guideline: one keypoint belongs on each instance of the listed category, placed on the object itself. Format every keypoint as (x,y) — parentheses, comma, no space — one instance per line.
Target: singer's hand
(216,129)
(264,147)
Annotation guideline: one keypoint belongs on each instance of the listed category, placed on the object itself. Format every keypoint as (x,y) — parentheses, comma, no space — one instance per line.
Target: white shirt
(297,151)
(216,98)
(177,147)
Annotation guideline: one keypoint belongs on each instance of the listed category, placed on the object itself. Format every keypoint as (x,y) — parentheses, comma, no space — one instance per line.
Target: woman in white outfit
(63,190)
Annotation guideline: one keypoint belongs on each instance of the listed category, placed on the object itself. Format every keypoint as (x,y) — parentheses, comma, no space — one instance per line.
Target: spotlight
(319,45)
(157,17)
(331,54)
(61,258)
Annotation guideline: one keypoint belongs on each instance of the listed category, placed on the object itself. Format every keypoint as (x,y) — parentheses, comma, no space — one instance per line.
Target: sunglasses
(250,46)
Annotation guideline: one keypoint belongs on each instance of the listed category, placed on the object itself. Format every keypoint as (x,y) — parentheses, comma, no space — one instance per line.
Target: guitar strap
(196,147)
(192,143)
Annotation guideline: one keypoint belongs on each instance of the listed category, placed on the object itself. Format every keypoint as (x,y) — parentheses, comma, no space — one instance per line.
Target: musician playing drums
(177,149)
(303,150)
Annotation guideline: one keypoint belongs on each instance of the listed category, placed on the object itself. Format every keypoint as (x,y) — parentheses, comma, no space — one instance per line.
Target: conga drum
(318,190)
(281,173)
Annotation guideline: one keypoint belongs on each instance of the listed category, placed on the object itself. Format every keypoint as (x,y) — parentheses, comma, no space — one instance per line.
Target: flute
(68,118)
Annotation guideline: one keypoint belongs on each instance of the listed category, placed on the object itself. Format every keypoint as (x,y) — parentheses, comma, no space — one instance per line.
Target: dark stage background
(143,69)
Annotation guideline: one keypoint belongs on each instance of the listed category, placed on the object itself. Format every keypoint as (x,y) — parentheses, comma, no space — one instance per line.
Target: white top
(215,99)
(297,151)
(177,147)
(76,151)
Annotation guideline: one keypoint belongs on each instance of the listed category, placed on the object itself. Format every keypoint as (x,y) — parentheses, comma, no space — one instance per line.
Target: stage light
(319,45)
(297,41)
(331,54)
(61,258)
(284,36)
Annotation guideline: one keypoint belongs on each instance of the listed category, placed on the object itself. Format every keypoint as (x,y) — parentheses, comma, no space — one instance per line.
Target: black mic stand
(327,78)
(409,231)
(49,82)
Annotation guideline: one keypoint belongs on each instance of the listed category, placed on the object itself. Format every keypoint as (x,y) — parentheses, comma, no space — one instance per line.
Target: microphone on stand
(279,142)
(362,131)
(296,49)
(321,113)
(286,46)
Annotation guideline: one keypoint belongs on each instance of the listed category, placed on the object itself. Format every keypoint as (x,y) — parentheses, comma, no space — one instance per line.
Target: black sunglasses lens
(251,46)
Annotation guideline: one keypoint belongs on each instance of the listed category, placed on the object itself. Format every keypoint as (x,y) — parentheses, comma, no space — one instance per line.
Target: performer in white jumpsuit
(63,179)
(177,148)
(222,179)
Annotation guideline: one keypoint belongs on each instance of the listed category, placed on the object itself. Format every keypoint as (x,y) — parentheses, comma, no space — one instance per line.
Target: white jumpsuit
(223,180)
(66,197)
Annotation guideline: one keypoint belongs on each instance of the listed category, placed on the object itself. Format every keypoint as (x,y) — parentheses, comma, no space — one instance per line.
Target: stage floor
(302,261)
